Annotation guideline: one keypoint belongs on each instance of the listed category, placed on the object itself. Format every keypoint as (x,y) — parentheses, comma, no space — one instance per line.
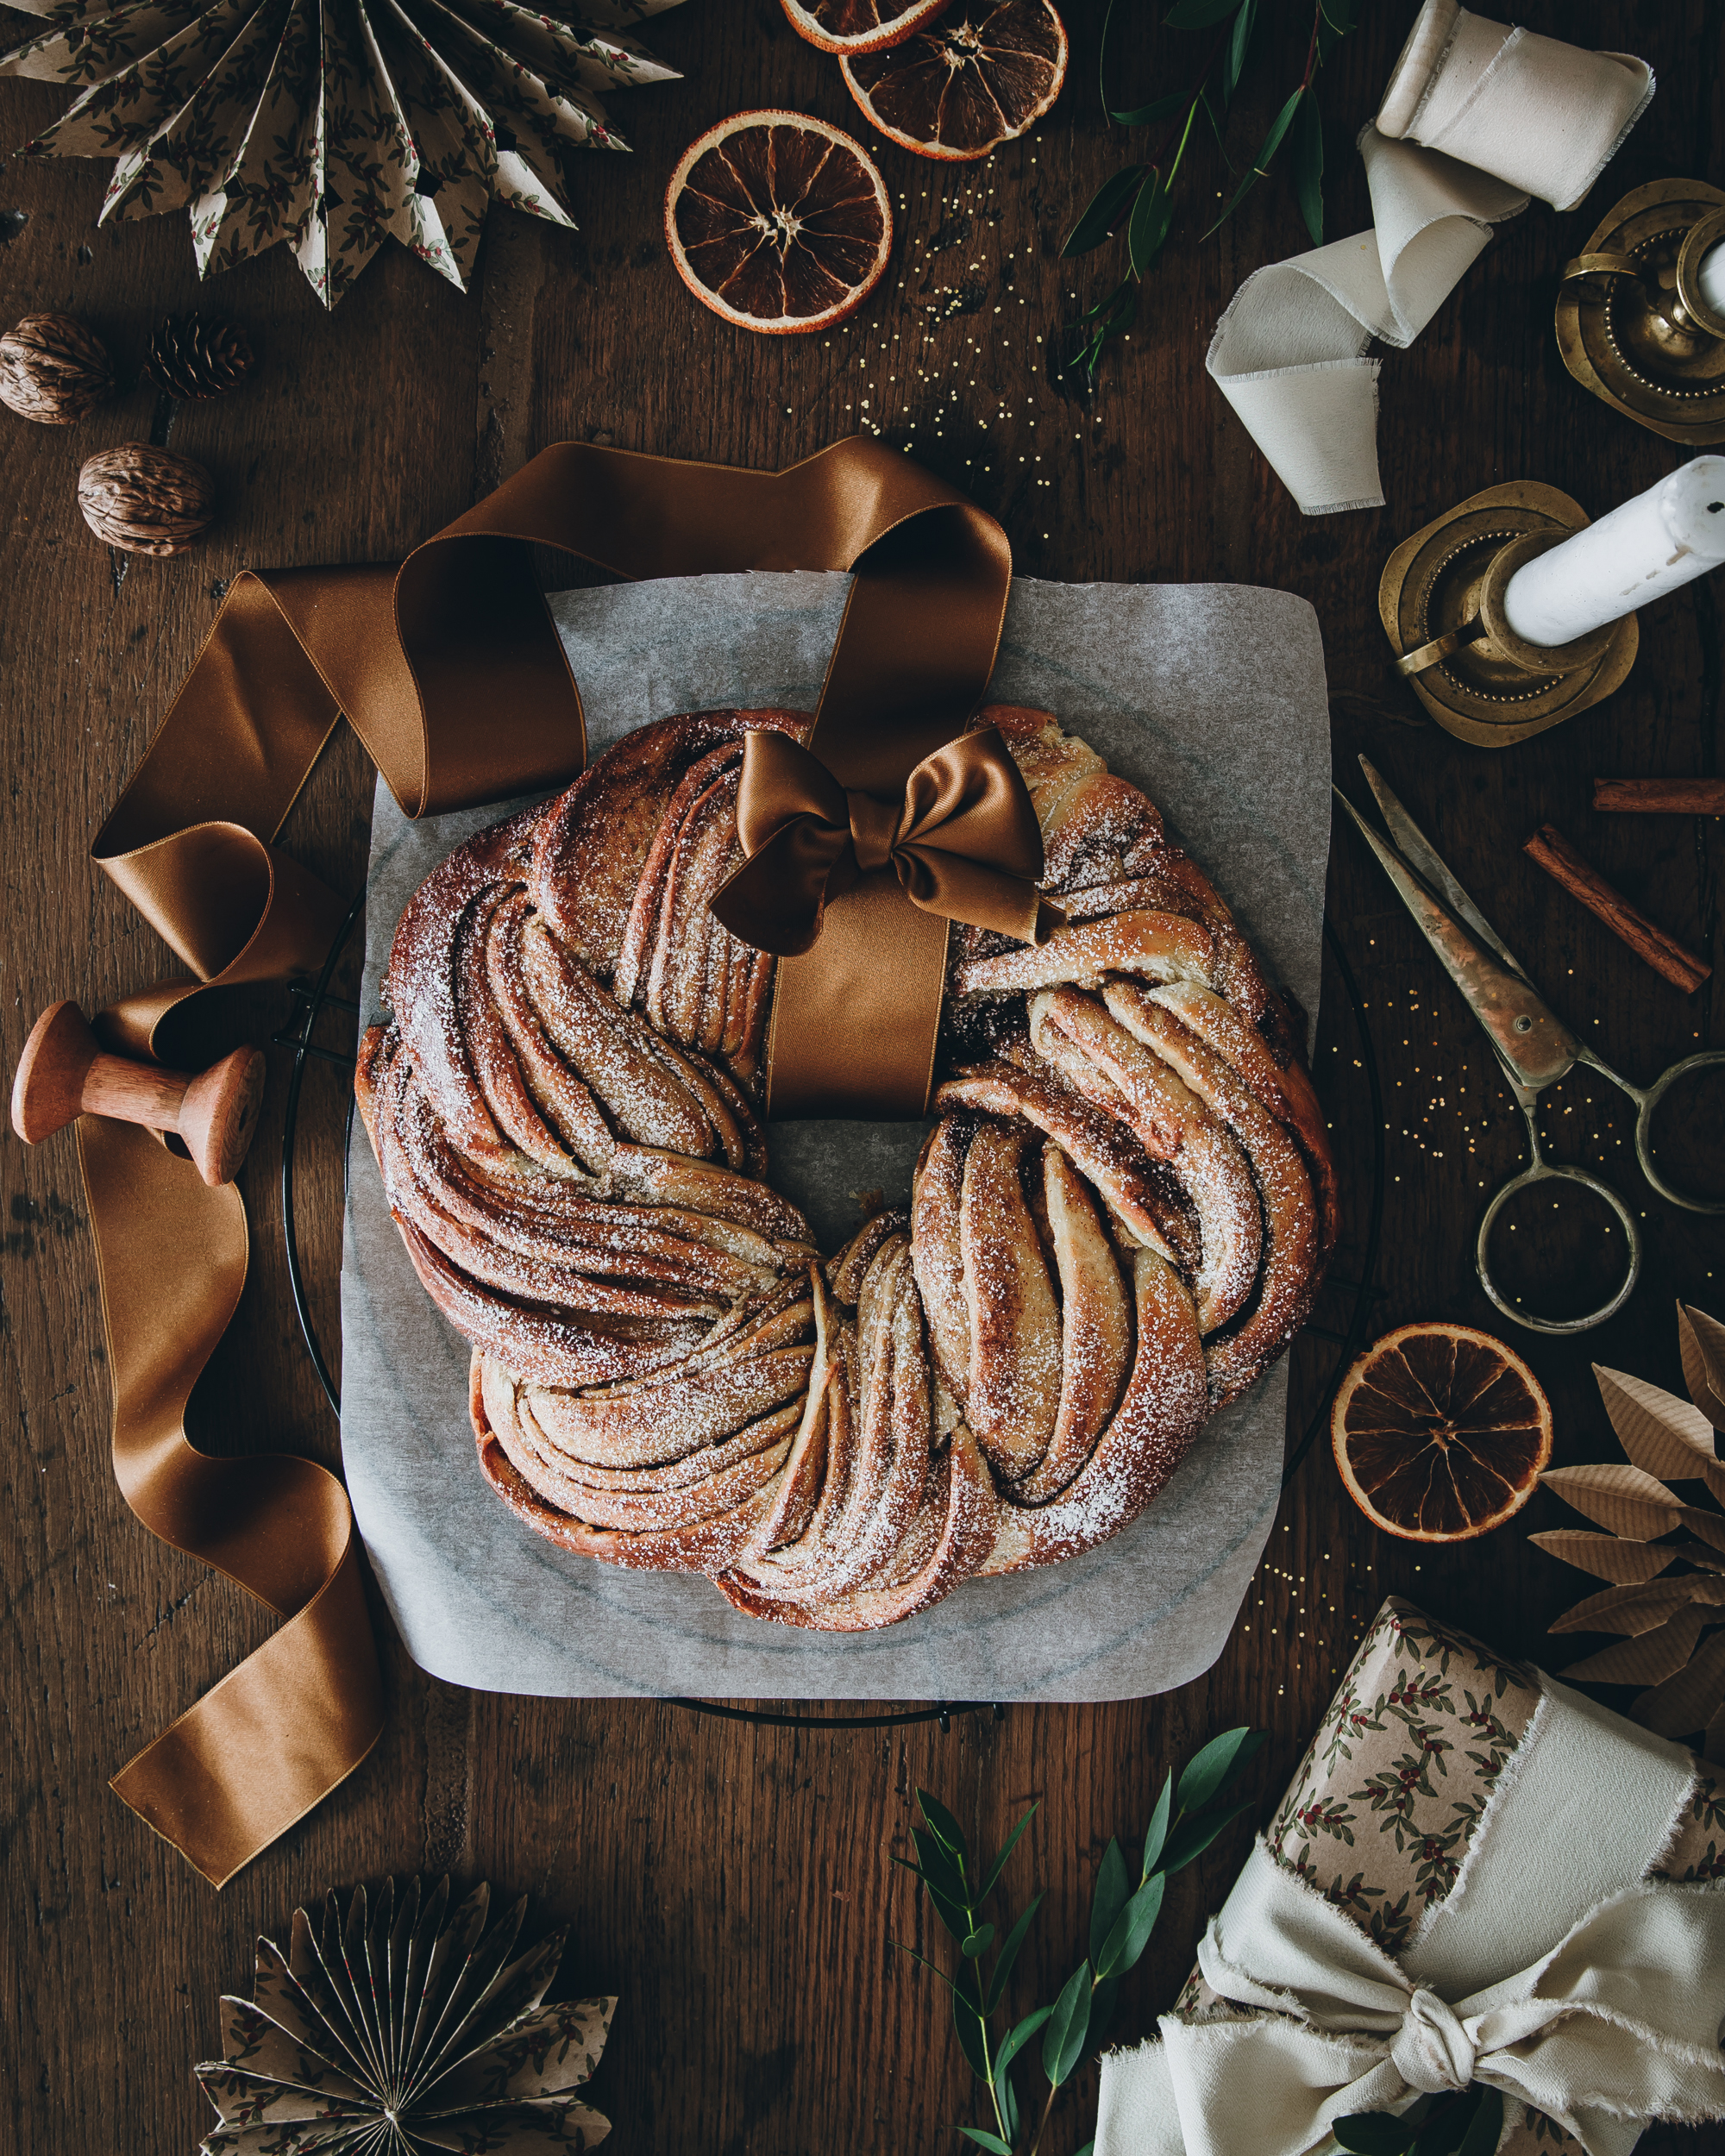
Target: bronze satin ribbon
(451,670)
(276,1735)
(452,673)
(964,841)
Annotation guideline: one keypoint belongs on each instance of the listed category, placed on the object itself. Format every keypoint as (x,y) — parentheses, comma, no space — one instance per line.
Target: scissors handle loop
(1709,1058)
(1542,1171)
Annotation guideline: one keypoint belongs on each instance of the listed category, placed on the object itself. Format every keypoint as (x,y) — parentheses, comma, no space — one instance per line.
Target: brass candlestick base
(1441,601)
(1631,324)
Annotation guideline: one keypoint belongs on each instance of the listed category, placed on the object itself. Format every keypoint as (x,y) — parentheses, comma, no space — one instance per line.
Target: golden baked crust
(1118,1221)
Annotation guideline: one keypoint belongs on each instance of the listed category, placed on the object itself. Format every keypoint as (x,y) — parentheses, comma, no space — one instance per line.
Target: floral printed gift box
(1426,1725)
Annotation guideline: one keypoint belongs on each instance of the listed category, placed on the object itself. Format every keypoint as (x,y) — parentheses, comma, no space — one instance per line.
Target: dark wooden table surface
(732,1883)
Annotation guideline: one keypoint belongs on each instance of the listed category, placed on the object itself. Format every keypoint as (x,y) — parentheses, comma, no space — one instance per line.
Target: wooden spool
(64,1074)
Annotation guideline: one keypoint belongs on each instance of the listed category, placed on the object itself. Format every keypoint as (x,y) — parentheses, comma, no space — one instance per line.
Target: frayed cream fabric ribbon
(1618,2024)
(1477,118)
(1554,1971)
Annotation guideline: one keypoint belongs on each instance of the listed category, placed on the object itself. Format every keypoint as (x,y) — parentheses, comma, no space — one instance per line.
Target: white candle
(1710,278)
(1646,548)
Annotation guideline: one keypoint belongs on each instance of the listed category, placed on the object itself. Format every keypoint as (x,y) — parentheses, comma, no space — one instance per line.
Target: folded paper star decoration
(329,126)
(400,2025)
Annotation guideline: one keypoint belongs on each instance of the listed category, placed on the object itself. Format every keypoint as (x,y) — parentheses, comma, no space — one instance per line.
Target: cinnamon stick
(1560,859)
(1660,797)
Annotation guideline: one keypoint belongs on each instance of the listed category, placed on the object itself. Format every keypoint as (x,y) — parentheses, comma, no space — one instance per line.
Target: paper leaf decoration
(1672,1642)
(1682,1702)
(397,2028)
(329,126)
(1701,1340)
(1607,1556)
(1633,1610)
(1650,1660)
(1660,1432)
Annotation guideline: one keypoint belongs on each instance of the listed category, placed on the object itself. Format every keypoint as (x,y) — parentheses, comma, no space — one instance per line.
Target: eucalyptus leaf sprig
(1141,195)
(1188,1817)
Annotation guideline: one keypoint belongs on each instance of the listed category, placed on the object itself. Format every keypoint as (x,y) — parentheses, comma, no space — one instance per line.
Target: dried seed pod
(145,500)
(51,370)
(192,358)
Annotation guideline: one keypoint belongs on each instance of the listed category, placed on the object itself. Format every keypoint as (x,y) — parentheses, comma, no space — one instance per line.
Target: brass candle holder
(1631,324)
(1441,602)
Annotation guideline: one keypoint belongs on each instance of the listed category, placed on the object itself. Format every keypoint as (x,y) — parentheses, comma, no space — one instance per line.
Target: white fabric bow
(1619,2023)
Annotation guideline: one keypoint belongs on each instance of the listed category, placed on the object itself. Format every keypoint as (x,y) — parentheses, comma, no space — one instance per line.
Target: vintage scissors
(1534,1047)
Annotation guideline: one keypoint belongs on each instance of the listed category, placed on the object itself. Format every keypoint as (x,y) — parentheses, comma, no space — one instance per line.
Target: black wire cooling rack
(311,999)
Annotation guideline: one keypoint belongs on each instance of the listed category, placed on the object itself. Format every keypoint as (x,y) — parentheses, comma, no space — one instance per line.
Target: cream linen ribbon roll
(1477,119)
(1600,2008)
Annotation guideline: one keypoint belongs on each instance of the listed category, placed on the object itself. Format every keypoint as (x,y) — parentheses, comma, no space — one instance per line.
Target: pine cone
(52,370)
(192,358)
(144,499)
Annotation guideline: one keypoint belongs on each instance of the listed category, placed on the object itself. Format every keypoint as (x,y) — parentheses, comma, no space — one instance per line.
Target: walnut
(52,370)
(146,500)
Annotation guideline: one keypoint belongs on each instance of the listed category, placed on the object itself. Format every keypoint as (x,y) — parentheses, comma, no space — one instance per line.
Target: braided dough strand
(1118,1218)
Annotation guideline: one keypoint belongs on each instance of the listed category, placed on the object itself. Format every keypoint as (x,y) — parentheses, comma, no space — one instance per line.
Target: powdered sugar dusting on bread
(1113,1225)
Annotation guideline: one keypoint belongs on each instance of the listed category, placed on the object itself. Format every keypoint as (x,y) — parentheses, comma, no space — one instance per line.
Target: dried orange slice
(859,26)
(965,85)
(1441,1432)
(778,222)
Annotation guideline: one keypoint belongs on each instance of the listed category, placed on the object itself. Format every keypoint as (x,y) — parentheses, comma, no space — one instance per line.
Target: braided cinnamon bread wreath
(1117,1222)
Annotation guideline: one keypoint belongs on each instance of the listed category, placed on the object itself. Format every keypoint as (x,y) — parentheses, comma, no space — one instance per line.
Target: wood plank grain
(732,1883)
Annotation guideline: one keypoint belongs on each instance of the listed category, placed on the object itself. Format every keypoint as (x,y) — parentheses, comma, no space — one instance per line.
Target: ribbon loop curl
(964,841)
(1433,2051)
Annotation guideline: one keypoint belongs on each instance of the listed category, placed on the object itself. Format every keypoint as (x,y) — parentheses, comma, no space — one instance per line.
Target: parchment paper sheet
(1213,698)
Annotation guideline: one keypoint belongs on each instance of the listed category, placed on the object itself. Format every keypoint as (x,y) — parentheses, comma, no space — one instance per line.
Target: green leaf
(1148,226)
(1007,2097)
(952,1918)
(947,1831)
(1062,2041)
(1156,1832)
(924,1959)
(1008,1955)
(983,2138)
(1193,1836)
(1011,2045)
(1103,211)
(1373,2134)
(1308,168)
(1118,311)
(978,1940)
(1132,1927)
(1208,1773)
(1011,1843)
(1114,1887)
(1234,65)
(1485,2126)
(1158,109)
(951,1915)
(1198,15)
(1338,15)
(1444,2125)
(1102,2012)
(1089,2149)
(1272,142)
(940,1872)
(969,2023)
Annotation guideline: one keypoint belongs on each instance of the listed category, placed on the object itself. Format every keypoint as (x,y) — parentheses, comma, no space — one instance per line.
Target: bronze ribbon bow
(451,670)
(964,841)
